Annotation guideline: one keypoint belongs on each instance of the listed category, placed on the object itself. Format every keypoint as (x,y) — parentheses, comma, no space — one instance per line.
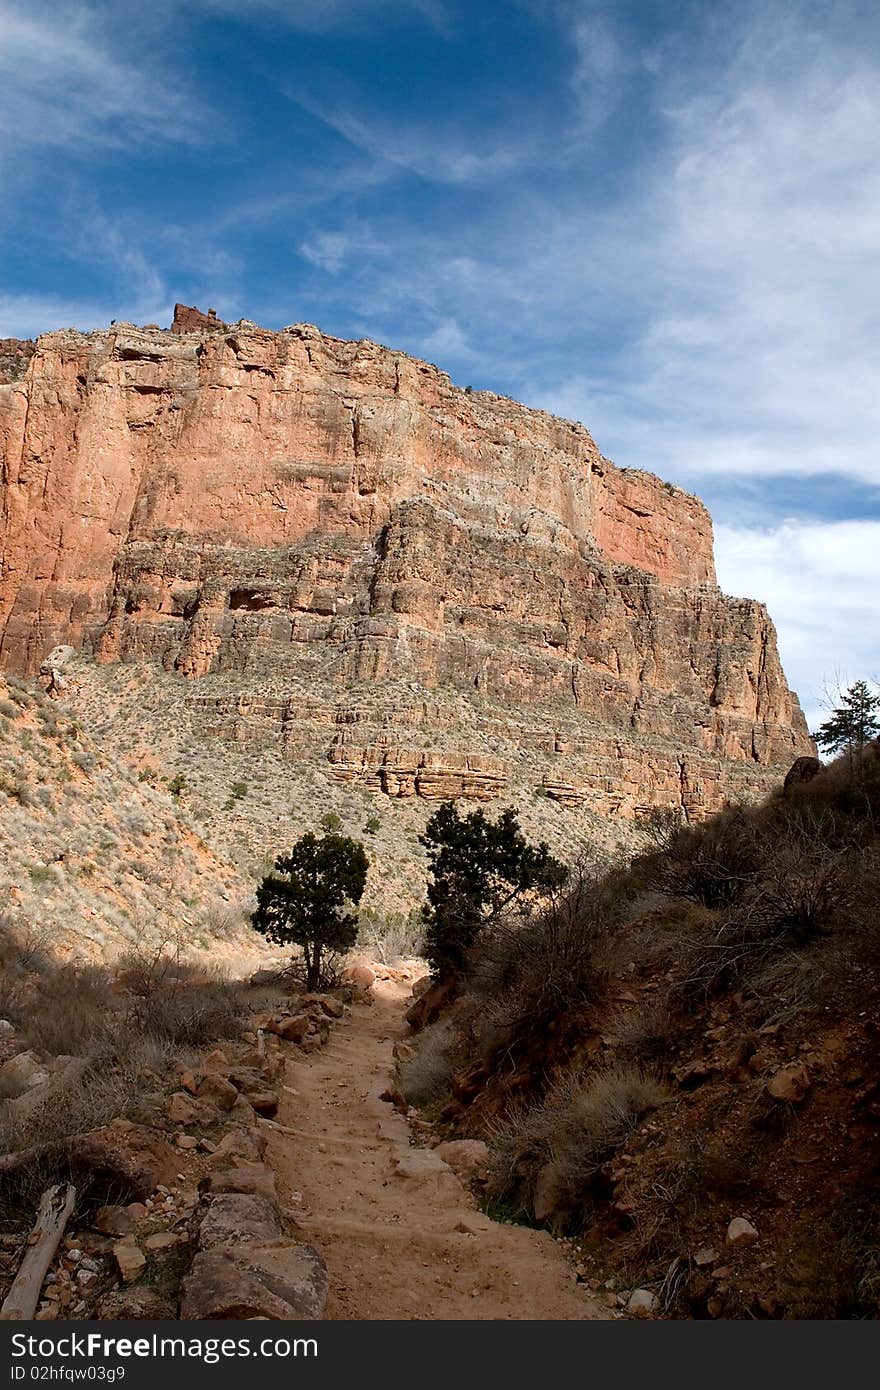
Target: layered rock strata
(299,525)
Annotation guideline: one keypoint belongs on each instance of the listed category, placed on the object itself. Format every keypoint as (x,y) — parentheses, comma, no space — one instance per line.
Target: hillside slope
(94,861)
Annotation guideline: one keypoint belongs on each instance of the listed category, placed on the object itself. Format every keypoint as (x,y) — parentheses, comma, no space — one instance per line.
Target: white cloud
(749,254)
(820,581)
(433,154)
(64,81)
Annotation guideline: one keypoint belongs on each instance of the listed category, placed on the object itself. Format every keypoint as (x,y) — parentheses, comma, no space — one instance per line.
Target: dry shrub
(552,962)
(70,1010)
(564,1139)
(179,1003)
(426,1077)
(644,1035)
(392,936)
(712,864)
(804,889)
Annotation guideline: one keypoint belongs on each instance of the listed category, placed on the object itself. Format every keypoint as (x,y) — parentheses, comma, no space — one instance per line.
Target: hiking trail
(383,1212)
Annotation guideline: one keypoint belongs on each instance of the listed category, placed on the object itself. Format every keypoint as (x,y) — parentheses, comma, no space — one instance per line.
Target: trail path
(384,1213)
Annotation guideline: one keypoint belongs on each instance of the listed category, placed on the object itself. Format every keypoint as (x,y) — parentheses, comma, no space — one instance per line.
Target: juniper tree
(311,899)
(478,869)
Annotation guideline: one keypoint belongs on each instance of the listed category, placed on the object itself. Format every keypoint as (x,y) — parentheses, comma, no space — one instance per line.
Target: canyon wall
(426,590)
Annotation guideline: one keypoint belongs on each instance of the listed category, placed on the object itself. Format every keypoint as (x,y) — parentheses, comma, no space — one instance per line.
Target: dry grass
(560,1142)
(122,1036)
(425,1078)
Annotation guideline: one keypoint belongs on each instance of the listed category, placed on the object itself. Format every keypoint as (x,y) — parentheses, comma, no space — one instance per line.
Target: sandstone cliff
(419,590)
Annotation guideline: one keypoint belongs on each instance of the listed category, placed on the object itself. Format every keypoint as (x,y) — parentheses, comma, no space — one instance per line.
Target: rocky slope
(93,861)
(325,554)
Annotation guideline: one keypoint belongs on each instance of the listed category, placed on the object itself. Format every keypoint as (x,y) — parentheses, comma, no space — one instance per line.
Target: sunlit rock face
(430,591)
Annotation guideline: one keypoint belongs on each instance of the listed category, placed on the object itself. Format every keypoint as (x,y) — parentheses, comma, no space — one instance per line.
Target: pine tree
(853,724)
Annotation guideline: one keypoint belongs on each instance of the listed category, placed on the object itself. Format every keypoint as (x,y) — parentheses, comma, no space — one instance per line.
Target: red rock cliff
(292,508)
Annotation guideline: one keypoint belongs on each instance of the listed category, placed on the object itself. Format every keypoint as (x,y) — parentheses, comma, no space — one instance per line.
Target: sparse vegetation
(652,1049)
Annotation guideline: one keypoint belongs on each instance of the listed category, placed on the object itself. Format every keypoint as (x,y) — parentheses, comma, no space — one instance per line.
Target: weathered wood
(261,1043)
(56,1205)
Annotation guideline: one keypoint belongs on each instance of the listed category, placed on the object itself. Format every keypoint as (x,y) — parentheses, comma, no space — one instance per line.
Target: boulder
(469,1158)
(236,1217)
(183,1109)
(216,1088)
(360,975)
(264,1102)
(279,1280)
(163,1240)
(801,771)
(248,1178)
(114,1221)
(128,1160)
(333,1008)
(20,1074)
(239,1144)
(641,1303)
(292,1027)
(419,1163)
(429,1006)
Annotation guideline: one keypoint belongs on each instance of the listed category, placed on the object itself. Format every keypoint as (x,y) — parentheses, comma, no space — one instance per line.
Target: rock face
(286,518)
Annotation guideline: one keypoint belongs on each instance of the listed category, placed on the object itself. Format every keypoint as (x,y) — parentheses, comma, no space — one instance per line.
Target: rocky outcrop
(313,523)
(15,354)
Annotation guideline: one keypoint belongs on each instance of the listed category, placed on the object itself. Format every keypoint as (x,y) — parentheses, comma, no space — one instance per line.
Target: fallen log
(56,1205)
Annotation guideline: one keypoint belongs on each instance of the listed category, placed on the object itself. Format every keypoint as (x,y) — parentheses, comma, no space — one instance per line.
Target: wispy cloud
(819,581)
(65,81)
(750,246)
(435,154)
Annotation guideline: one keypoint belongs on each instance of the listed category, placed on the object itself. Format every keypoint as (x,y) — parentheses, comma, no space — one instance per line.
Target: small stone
(473,1223)
(741,1232)
(641,1303)
(790,1084)
(130,1260)
(186,1141)
(705,1256)
(115,1221)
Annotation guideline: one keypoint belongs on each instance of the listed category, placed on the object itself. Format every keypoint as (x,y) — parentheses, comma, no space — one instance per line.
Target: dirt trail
(389,1234)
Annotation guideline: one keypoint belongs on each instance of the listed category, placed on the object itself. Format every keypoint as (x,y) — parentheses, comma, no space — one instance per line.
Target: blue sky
(661,219)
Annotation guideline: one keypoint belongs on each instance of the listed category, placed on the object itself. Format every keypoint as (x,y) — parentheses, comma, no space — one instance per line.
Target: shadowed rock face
(303,514)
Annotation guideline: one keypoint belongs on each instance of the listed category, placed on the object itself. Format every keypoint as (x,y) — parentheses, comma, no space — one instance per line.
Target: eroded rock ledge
(287,511)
